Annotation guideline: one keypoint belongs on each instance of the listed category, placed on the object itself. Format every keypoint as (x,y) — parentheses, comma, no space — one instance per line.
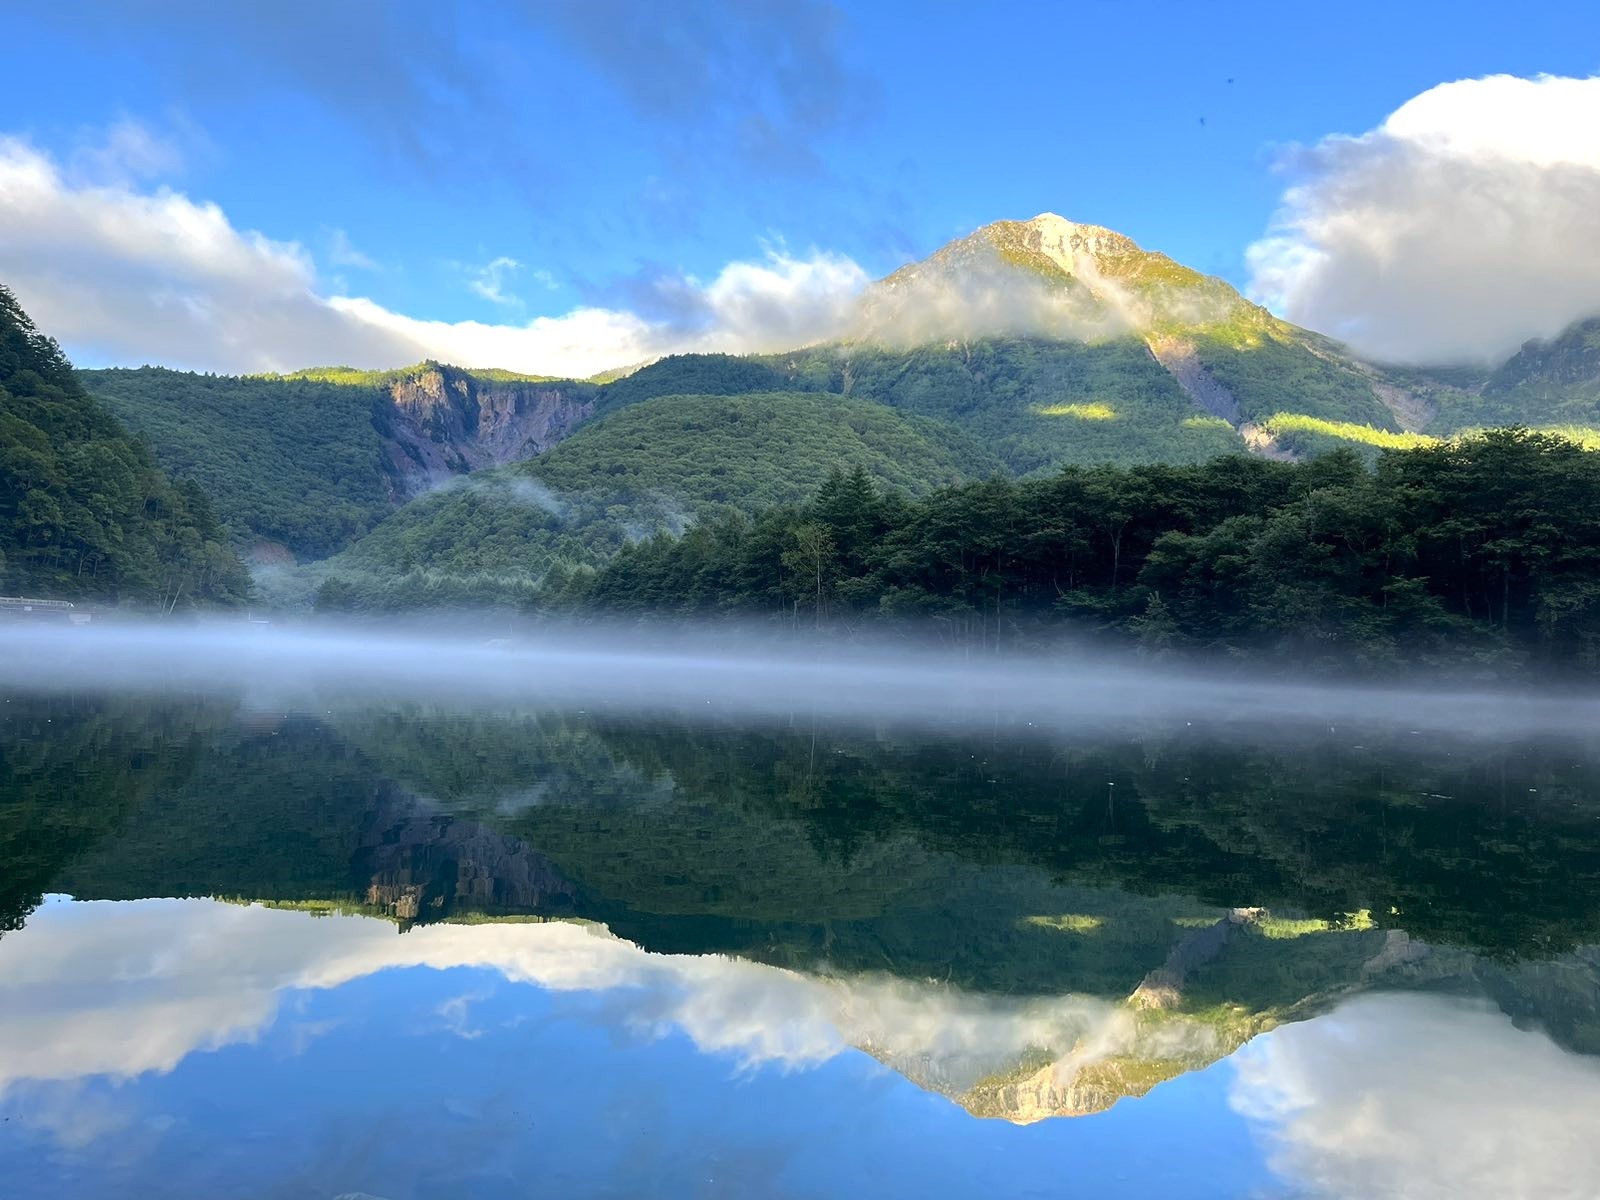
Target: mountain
(83,509)
(1035,344)
(659,463)
(1090,287)
(302,465)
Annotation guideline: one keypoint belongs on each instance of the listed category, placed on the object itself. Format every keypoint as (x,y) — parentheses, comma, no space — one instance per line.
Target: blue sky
(617,156)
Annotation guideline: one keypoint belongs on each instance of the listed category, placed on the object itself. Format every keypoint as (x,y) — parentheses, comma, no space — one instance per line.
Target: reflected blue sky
(258,1052)
(421,1081)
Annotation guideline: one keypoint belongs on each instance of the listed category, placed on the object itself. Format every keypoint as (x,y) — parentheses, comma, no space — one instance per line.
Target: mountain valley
(1023,348)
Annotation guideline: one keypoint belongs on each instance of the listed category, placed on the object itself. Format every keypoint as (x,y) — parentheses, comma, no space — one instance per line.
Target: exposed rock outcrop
(445,422)
(1182,361)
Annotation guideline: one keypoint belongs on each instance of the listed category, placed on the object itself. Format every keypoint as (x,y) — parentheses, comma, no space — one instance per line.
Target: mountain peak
(1081,251)
(1047,276)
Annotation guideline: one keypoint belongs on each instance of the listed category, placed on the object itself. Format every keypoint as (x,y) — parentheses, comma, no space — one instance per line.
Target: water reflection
(190,975)
(1179,936)
(330,1056)
(488,1059)
(1422,1097)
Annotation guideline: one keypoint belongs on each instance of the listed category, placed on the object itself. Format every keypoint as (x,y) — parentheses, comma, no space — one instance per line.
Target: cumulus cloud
(1459,228)
(127,274)
(1422,1098)
(131,275)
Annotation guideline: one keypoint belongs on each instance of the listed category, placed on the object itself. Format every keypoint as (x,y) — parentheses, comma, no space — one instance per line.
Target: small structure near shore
(29,608)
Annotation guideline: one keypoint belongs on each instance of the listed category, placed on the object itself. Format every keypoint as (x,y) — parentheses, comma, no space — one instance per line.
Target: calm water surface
(408,951)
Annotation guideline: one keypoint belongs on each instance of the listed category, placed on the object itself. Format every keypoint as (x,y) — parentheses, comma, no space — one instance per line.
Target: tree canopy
(83,509)
(1487,549)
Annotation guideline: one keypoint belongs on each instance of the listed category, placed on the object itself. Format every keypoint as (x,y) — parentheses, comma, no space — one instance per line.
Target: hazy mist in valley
(721,673)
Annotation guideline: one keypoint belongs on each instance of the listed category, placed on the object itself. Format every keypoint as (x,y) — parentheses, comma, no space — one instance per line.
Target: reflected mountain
(1032,927)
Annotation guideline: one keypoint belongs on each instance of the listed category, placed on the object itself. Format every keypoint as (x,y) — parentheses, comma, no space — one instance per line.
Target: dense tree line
(83,509)
(1487,548)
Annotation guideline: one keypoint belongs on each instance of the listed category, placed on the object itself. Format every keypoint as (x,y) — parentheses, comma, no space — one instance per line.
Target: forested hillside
(1035,402)
(655,464)
(1484,550)
(1554,383)
(1047,343)
(295,461)
(313,461)
(84,512)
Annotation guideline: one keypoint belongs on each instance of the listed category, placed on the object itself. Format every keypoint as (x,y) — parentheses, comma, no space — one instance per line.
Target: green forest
(1037,403)
(296,461)
(657,464)
(84,511)
(1484,550)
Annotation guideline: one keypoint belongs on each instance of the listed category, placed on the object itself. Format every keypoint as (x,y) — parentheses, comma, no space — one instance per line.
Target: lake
(324,944)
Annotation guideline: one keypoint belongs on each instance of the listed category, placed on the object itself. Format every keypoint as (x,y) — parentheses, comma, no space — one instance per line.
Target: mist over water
(725,674)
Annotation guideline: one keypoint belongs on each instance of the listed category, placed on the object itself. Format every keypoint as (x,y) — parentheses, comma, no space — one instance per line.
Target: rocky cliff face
(424,864)
(445,422)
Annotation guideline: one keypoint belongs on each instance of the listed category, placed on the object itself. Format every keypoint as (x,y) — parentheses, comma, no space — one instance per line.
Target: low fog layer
(719,674)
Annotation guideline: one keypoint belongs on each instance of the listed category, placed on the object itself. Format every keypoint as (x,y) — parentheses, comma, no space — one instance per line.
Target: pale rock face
(443,426)
(1047,277)
(1077,249)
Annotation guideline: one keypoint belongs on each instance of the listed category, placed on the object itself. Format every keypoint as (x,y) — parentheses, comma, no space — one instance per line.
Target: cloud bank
(1459,228)
(125,273)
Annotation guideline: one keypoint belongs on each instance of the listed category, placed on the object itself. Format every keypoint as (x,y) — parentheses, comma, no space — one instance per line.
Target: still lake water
(413,950)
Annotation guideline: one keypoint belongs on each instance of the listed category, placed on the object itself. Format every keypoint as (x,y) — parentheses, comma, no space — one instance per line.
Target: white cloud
(152,276)
(1417,1097)
(491,280)
(123,274)
(1459,228)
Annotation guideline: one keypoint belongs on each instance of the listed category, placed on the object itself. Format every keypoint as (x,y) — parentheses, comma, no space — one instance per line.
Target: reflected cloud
(120,989)
(1422,1097)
